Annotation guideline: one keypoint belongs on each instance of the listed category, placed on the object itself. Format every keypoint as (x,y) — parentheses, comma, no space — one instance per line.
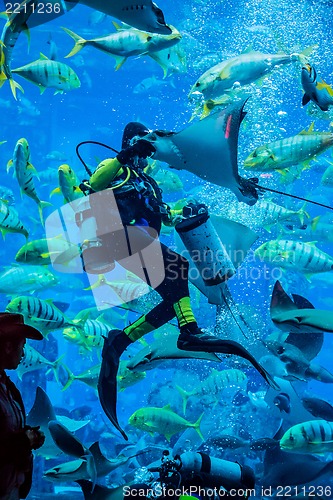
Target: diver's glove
(142,149)
(193,209)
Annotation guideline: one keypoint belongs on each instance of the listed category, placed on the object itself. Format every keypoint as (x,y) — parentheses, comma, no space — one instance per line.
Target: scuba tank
(193,473)
(216,471)
(204,245)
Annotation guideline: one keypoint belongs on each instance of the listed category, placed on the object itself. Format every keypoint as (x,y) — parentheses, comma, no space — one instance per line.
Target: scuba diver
(142,211)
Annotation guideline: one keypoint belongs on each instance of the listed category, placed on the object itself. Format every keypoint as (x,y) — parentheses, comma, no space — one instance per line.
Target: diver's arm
(106,171)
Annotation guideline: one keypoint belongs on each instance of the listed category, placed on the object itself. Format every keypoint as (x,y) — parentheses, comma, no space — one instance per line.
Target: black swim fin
(114,346)
(188,341)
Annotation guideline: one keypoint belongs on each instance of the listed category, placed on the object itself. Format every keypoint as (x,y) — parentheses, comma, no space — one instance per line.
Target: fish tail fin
(100,281)
(119,62)
(79,42)
(13,86)
(70,379)
(3,78)
(56,367)
(196,426)
(314,223)
(185,395)
(55,191)
(41,206)
(302,213)
(207,108)
(303,56)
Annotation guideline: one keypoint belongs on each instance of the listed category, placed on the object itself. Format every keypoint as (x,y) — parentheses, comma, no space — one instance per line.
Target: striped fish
(17,22)
(269,213)
(24,172)
(172,60)
(125,377)
(10,222)
(214,384)
(33,360)
(127,290)
(295,150)
(91,335)
(40,313)
(314,436)
(126,43)
(163,421)
(68,184)
(46,251)
(243,69)
(25,279)
(305,258)
(45,73)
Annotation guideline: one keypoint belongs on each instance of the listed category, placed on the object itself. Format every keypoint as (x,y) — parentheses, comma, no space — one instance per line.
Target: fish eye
(197,84)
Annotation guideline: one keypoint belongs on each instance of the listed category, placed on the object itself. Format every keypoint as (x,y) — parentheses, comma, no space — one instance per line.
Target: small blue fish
(315,89)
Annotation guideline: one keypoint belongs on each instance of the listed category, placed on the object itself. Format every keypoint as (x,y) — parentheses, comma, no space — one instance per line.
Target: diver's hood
(131,130)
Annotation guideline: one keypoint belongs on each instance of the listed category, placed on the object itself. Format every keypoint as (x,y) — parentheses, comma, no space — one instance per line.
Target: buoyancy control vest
(139,199)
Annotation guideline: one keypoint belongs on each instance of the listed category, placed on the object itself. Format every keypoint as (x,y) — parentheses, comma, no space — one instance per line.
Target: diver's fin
(208,343)
(114,346)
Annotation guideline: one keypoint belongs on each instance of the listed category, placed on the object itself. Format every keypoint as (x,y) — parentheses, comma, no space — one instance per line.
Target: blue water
(99,110)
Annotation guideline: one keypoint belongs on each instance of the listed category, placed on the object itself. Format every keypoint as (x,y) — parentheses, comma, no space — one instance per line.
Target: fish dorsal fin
(312,243)
(167,408)
(43,57)
(95,450)
(302,302)
(42,411)
(323,85)
(309,131)
(119,27)
(248,49)
(280,301)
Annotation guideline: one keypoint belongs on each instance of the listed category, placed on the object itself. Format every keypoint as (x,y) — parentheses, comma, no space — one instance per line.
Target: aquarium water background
(53,125)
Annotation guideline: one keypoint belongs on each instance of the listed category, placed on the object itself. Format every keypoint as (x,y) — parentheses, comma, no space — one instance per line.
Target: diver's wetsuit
(141,207)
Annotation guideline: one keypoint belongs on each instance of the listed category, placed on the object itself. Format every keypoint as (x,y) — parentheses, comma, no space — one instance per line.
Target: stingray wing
(209,146)
(208,149)
(148,17)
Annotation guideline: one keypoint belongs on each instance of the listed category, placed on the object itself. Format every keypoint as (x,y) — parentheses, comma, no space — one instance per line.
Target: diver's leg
(118,340)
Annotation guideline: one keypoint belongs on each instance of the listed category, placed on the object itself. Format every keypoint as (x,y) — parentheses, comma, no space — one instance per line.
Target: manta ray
(208,149)
(143,15)
(298,316)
